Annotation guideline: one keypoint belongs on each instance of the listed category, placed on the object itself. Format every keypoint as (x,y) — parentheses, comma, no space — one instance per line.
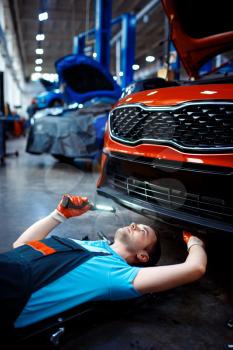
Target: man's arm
(43,227)
(37,231)
(161,278)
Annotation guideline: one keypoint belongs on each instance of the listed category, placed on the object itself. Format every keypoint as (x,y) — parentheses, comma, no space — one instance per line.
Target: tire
(56,103)
(63,159)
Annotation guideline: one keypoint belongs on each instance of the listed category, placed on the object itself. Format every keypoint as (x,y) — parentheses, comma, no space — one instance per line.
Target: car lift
(102,33)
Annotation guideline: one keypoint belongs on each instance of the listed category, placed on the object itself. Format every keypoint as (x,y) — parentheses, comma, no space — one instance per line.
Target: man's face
(136,237)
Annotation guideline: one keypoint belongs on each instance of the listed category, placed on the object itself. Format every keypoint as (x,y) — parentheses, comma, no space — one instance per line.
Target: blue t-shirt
(107,277)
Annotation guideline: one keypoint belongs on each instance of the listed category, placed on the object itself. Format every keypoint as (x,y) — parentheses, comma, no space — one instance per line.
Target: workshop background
(63,66)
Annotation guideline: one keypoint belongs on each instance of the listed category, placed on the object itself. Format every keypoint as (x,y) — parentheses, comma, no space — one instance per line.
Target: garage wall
(2,62)
(10,63)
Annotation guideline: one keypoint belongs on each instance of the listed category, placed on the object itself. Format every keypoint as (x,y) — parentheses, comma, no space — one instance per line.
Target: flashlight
(103,208)
(67,203)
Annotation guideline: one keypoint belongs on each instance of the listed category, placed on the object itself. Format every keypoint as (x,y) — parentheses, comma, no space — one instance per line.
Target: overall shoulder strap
(51,245)
(53,257)
(33,266)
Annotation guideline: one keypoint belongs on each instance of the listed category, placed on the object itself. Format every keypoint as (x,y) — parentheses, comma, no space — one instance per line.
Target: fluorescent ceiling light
(135,66)
(43,16)
(121,74)
(47,76)
(35,76)
(39,51)
(50,76)
(39,61)
(40,37)
(38,69)
(150,58)
(94,54)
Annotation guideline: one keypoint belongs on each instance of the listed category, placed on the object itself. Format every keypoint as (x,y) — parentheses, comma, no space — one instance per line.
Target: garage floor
(189,317)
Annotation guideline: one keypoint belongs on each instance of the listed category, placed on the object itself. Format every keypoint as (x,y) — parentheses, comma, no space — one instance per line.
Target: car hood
(199,30)
(83,79)
(173,96)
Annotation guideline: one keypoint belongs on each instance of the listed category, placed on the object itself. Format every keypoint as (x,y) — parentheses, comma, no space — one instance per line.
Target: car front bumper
(151,190)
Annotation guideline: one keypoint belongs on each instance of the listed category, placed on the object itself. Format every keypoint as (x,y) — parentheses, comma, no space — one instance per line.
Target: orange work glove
(186,236)
(64,212)
(191,240)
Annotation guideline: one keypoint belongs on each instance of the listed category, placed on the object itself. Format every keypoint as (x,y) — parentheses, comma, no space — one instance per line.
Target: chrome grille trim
(167,141)
(172,199)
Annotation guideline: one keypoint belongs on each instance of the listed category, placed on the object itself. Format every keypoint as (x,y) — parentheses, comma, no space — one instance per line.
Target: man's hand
(40,229)
(68,212)
(191,240)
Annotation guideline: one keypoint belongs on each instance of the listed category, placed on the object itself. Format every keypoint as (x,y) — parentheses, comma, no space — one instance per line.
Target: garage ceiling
(71,17)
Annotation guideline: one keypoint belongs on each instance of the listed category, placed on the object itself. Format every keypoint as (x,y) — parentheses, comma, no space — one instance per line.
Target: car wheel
(62,158)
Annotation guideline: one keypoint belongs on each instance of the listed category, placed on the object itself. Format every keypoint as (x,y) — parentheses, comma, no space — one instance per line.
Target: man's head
(141,242)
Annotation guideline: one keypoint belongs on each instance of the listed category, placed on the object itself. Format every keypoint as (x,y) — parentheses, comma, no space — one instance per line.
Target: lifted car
(168,152)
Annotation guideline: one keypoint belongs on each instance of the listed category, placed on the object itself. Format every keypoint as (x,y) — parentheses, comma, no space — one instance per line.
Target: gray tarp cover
(70,135)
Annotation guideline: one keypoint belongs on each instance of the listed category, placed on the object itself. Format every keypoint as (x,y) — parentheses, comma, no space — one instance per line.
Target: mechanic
(43,277)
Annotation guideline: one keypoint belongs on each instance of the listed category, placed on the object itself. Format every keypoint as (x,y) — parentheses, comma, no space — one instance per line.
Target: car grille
(170,185)
(176,199)
(203,126)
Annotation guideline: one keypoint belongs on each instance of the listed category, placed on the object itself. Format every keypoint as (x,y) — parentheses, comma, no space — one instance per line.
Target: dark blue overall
(32,266)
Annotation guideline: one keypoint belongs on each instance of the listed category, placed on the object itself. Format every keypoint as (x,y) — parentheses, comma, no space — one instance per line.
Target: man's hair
(154,252)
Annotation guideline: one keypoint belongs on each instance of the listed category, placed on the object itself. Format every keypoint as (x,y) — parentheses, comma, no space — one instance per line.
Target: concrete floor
(189,317)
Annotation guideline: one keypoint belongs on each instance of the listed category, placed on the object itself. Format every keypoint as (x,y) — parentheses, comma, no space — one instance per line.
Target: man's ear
(142,256)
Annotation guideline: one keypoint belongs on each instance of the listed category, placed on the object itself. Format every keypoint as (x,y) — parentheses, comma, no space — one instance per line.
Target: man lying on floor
(44,277)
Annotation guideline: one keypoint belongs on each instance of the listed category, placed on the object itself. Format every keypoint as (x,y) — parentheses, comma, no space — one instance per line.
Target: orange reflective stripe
(41,247)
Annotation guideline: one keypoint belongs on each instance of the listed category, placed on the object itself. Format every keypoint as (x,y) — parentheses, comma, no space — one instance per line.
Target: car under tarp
(74,133)
(77,131)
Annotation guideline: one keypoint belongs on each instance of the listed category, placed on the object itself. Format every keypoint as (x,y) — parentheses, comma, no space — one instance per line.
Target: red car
(168,152)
